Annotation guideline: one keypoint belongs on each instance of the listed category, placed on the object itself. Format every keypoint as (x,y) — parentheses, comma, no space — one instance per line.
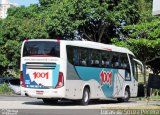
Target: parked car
(13,83)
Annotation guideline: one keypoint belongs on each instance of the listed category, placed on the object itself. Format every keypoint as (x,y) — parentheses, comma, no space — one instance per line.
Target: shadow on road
(75,103)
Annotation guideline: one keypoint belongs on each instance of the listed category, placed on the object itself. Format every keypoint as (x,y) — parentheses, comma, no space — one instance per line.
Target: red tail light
(22,80)
(60,80)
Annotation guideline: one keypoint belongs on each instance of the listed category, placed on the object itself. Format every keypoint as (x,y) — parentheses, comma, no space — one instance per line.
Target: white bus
(77,70)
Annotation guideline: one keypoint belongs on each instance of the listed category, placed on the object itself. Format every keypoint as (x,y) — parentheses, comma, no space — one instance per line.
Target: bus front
(41,70)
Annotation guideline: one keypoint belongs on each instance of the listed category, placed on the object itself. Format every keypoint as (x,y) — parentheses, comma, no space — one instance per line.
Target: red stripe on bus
(107,49)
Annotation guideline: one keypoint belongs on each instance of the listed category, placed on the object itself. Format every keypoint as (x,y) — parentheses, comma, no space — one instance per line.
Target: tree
(146,50)
(46,2)
(94,20)
(143,38)
(21,23)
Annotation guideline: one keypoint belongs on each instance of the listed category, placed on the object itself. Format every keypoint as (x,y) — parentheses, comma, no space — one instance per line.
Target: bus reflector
(60,80)
(22,80)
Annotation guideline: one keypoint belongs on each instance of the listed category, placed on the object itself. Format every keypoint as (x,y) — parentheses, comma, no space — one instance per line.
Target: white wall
(156,7)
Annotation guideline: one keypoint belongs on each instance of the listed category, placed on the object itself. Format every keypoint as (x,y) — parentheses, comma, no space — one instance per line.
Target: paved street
(18,102)
(28,105)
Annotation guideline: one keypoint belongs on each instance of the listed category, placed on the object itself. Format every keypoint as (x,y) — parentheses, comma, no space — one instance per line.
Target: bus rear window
(41,48)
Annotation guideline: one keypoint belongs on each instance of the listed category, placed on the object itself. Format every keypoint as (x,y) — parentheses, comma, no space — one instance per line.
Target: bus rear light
(22,80)
(60,80)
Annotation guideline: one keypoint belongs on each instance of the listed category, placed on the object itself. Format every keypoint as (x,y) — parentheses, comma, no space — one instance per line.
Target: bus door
(135,73)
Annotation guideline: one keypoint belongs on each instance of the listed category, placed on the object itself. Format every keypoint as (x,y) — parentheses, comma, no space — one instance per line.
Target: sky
(23,2)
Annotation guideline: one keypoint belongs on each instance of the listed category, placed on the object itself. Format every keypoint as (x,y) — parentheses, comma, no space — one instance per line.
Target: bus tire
(49,101)
(86,97)
(126,96)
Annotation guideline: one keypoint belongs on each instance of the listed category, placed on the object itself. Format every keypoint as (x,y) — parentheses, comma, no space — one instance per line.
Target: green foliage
(155,97)
(149,30)
(95,20)
(46,2)
(21,23)
(143,38)
(24,12)
(148,51)
(5,90)
(144,49)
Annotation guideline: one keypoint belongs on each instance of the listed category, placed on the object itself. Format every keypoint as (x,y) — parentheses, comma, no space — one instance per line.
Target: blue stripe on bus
(55,75)
(27,79)
(29,84)
(88,73)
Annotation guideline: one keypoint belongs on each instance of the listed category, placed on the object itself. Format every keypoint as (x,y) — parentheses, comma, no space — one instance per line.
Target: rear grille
(40,65)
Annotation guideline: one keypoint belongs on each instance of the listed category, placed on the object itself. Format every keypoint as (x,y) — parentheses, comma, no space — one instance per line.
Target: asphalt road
(18,105)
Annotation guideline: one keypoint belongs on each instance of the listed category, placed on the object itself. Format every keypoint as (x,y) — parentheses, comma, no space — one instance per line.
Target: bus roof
(89,44)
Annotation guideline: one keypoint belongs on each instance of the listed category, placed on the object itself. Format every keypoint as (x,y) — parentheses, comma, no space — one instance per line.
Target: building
(5,4)
(156,8)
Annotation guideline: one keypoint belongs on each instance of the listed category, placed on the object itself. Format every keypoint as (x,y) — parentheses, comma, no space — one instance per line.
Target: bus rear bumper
(43,93)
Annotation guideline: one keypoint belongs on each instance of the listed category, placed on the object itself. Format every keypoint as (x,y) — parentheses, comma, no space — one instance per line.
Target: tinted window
(83,56)
(124,62)
(75,56)
(95,58)
(106,59)
(70,54)
(115,60)
(41,48)
(80,56)
(134,67)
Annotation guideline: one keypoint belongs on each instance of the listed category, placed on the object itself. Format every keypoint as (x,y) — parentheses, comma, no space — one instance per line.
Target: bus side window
(83,56)
(134,67)
(124,62)
(95,58)
(106,59)
(115,60)
(75,56)
(70,54)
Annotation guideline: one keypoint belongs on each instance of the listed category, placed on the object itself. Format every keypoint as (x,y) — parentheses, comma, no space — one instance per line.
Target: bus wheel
(126,96)
(86,97)
(49,101)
